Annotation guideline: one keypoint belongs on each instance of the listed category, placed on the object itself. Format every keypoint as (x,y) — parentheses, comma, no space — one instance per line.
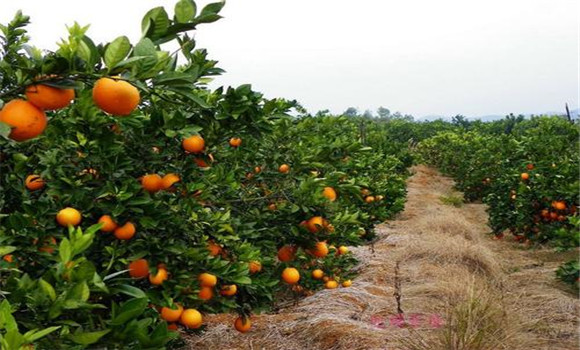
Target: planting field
(142,209)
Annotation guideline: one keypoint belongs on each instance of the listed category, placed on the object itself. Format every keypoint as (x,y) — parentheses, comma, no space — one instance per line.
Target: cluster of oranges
(27,118)
(368,198)
(154,182)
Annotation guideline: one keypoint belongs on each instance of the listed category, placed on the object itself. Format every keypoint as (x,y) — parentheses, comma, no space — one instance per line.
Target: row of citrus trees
(134,199)
(527,174)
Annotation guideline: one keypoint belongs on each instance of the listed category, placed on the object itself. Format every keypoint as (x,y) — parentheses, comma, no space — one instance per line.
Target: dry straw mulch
(441,262)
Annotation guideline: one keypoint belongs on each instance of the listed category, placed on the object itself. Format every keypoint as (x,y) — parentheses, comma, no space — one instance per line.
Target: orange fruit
(34,182)
(257,170)
(272,207)
(242,324)
(530,166)
(27,120)
(342,250)
(346,283)
(115,96)
(8,258)
(365,192)
(235,142)
(160,277)
(379,198)
(206,293)
(126,231)
(49,98)
(229,290)
(171,315)
(169,180)
(329,193)
(369,199)
(152,183)
(315,224)
(214,249)
(191,318)
(317,274)
(331,284)
(559,205)
(48,246)
(68,216)
(525,176)
(320,250)
(284,168)
(139,268)
(193,144)
(553,215)
(287,253)
(207,280)
(109,225)
(290,275)
(255,266)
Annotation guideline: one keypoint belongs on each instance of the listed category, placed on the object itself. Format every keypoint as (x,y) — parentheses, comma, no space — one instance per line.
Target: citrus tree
(134,199)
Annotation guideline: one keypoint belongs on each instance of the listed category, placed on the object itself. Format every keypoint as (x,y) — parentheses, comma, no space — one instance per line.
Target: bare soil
(457,289)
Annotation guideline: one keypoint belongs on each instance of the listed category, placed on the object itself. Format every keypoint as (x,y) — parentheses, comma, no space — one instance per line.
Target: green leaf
(6,250)
(65,251)
(34,334)
(212,9)
(129,290)
(5,130)
(7,321)
(116,51)
(155,23)
(130,310)
(242,280)
(185,11)
(87,338)
(47,288)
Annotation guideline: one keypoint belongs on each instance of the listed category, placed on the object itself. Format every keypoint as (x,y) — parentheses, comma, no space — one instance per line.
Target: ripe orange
(379,198)
(171,315)
(315,224)
(317,274)
(553,215)
(68,216)
(255,266)
(257,170)
(206,293)
(342,250)
(235,142)
(160,277)
(365,192)
(152,183)
(48,246)
(169,180)
(27,120)
(290,275)
(193,144)
(242,324)
(191,318)
(530,166)
(329,193)
(126,231)
(369,199)
(139,268)
(49,98)
(272,207)
(8,258)
(320,250)
(214,249)
(559,205)
(109,225)
(331,284)
(229,290)
(287,253)
(284,168)
(207,280)
(525,176)
(115,96)
(346,283)
(34,182)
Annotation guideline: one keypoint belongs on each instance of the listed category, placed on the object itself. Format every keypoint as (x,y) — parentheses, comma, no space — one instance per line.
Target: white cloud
(418,56)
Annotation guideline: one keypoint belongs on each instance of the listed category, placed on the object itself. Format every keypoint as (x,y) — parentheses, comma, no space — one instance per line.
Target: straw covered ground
(455,286)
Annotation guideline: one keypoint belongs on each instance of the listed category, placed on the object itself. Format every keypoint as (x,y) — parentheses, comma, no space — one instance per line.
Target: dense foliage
(150,227)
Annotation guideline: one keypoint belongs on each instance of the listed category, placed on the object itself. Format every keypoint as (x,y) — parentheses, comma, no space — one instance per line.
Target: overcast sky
(421,57)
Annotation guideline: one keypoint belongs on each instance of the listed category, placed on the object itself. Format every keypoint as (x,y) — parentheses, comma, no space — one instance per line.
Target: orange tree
(134,198)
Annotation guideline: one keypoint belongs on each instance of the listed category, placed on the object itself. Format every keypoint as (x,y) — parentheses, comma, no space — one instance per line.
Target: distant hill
(575,114)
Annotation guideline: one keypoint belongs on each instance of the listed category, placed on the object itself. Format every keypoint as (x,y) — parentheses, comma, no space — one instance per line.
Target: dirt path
(489,294)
